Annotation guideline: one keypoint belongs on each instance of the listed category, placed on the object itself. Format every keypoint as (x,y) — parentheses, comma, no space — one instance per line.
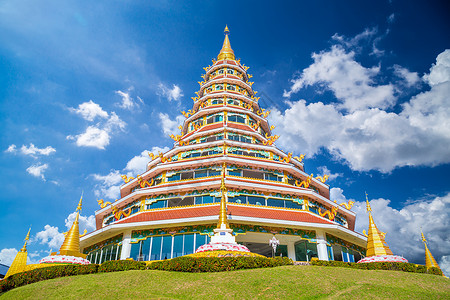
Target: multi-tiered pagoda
(225,151)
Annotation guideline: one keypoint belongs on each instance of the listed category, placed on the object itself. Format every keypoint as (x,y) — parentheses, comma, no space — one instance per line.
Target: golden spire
(429,259)
(376,245)
(20,261)
(71,245)
(223,221)
(226,52)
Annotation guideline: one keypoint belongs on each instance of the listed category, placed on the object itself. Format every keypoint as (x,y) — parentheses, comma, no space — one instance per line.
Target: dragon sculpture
(256,125)
(126,179)
(299,158)
(272,127)
(263,112)
(323,178)
(119,213)
(331,215)
(188,113)
(103,204)
(176,138)
(143,182)
(347,206)
(270,139)
(287,158)
(305,183)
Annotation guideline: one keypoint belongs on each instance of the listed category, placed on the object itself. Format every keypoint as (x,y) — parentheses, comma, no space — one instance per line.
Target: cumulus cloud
(89,111)
(7,255)
(138,164)
(85,222)
(50,236)
(11,148)
(37,170)
(99,135)
(109,186)
(369,137)
(172,94)
(127,101)
(168,125)
(352,84)
(440,71)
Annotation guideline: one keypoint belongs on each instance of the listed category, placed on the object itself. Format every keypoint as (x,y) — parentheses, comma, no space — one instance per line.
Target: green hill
(287,282)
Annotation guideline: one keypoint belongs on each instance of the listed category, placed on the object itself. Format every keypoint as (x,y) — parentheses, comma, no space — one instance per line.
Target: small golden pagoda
(429,259)
(71,245)
(376,245)
(20,261)
(226,52)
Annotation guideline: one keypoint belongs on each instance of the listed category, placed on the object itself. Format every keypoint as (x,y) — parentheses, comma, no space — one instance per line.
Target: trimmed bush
(217,264)
(121,265)
(392,266)
(40,274)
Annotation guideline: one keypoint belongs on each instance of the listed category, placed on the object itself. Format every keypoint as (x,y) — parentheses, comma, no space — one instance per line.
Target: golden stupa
(376,245)
(20,261)
(429,259)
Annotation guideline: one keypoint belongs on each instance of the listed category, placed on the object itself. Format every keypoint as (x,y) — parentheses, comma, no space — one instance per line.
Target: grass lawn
(287,282)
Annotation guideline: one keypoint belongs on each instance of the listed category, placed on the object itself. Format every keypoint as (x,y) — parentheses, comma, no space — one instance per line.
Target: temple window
(235,102)
(216,101)
(236,118)
(231,87)
(305,250)
(230,71)
(219,87)
(214,118)
(221,71)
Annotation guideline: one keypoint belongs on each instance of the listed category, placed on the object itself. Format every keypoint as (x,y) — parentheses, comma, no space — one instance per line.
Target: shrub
(392,266)
(121,265)
(36,275)
(217,264)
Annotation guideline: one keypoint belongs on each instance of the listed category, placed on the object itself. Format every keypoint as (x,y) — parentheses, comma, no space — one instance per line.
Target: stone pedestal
(223,235)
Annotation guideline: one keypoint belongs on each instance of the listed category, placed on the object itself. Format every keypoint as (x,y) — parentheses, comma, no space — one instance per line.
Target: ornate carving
(323,178)
(299,158)
(331,215)
(270,139)
(119,213)
(143,182)
(287,158)
(127,179)
(305,183)
(103,204)
(347,206)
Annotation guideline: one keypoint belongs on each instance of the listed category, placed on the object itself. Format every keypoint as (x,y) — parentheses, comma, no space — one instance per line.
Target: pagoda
(430,262)
(224,181)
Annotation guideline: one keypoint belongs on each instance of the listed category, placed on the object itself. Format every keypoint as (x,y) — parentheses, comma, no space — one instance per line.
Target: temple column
(321,245)
(126,246)
(291,250)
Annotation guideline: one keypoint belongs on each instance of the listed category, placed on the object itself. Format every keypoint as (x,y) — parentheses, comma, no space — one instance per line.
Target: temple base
(223,235)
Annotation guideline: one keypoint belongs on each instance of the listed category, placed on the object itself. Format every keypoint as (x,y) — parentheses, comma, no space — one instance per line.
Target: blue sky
(360,87)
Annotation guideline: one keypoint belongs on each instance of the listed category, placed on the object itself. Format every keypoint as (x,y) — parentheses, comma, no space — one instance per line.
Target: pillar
(126,246)
(321,245)
(291,250)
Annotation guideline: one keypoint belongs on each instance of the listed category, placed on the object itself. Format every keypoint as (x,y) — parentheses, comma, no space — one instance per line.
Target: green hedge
(40,274)
(393,266)
(217,264)
(121,265)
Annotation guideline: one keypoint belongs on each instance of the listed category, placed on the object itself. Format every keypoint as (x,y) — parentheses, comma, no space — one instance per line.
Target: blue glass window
(174,177)
(208,199)
(166,252)
(200,174)
(178,245)
(292,204)
(275,202)
(157,204)
(189,244)
(156,248)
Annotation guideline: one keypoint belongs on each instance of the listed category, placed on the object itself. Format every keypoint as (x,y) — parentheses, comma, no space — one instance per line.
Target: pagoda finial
(27,238)
(376,245)
(226,52)
(71,245)
(429,259)
(223,221)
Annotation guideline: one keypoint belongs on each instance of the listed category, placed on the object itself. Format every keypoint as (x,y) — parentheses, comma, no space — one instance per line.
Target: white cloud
(11,148)
(87,223)
(410,78)
(90,110)
(138,164)
(439,72)
(169,126)
(391,18)
(109,186)
(7,255)
(353,42)
(323,170)
(31,150)
(352,84)
(50,236)
(114,123)
(172,94)
(38,170)
(370,138)
(92,137)
(127,100)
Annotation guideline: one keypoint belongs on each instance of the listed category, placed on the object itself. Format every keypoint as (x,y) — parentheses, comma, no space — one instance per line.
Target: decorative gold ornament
(223,205)
(347,206)
(331,214)
(143,183)
(103,204)
(305,183)
(429,259)
(127,179)
(226,52)
(20,261)
(270,139)
(299,158)
(119,213)
(287,158)
(71,245)
(323,178)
